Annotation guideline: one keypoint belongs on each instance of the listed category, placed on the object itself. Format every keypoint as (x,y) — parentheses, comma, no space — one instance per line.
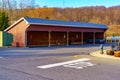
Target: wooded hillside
(100,14)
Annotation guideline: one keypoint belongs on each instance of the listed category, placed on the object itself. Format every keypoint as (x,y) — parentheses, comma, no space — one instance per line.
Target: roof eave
(67,25)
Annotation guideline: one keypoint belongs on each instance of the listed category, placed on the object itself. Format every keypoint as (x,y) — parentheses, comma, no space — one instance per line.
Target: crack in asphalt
(26,73)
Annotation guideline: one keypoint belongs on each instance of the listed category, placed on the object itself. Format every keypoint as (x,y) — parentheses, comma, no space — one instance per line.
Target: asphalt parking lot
(56,63)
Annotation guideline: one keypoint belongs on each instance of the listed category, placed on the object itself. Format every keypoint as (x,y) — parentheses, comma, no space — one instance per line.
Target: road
(56,63)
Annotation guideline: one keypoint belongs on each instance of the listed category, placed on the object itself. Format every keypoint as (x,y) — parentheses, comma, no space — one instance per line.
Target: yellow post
(1,39)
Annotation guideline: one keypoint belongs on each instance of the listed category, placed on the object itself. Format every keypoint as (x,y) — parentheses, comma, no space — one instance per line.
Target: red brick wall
(18,32)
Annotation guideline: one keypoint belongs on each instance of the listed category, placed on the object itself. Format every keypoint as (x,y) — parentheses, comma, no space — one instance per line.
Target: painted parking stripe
(62,63)
(1,57)
(79,65)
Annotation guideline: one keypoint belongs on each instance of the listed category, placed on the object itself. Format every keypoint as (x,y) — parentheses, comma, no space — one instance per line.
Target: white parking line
(1,57)
(62,63)
(79,65)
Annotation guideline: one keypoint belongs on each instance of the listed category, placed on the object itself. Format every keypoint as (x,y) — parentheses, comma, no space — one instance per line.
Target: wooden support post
(49,38)
(81,38)
(67,38)
(26,40)
(94,38)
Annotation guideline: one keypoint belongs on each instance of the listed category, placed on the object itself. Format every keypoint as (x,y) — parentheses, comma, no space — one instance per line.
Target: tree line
(95,14)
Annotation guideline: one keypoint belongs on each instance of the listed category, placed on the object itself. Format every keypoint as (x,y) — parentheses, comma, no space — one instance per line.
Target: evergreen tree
(4,20)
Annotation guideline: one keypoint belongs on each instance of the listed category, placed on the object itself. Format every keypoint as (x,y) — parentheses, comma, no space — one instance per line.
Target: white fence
(113,39)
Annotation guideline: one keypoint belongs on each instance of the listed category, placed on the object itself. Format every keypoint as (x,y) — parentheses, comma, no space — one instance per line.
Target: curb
(97,54)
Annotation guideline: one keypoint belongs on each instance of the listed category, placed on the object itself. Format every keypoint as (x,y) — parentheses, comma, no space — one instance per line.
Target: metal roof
(39,21)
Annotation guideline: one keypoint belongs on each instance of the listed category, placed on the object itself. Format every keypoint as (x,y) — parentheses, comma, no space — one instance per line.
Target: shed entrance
(37,38)
(75,38)
(58,38)
(50,38)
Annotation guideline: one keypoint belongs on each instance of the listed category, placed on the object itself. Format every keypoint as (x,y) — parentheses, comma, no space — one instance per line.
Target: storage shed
(44,32)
